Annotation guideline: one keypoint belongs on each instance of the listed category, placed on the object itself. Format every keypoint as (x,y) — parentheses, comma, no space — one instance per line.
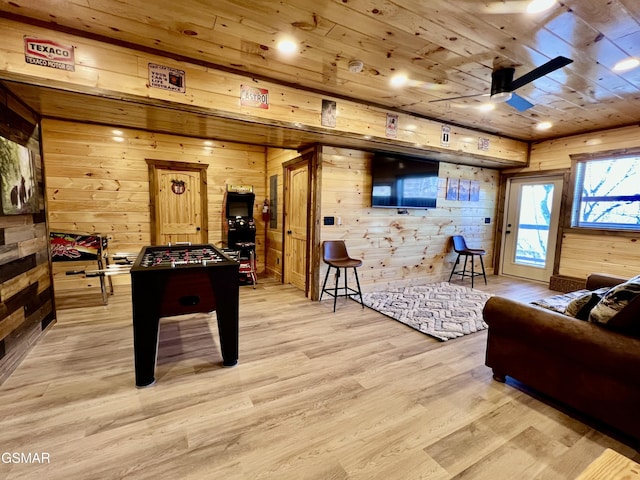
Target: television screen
(403,182)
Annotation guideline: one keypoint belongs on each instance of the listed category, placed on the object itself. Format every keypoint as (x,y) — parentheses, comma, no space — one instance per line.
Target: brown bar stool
(460,247)
(334,254)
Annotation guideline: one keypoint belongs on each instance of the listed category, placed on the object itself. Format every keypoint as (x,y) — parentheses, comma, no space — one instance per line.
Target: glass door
(531,227)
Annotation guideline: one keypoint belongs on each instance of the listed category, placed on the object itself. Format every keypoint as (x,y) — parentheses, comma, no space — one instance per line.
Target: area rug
(441,310)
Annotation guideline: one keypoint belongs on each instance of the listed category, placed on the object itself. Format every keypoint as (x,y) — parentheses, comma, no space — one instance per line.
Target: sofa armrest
(564,337)
(598,280)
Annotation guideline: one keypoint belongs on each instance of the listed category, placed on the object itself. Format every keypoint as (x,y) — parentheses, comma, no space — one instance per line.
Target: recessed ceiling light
(287,45)
(544,126)
(626,64)
(487,107)
(399,80)
(537,6)
(356,66)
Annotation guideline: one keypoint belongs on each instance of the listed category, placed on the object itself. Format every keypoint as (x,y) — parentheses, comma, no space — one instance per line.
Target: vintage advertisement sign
(48,53)
(483,144)
(391,129)
(445,136)
(240,188)
(167,78)
(255,97)
(328,116)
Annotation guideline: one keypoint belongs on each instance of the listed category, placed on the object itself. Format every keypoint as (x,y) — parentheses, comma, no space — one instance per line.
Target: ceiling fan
(503,85)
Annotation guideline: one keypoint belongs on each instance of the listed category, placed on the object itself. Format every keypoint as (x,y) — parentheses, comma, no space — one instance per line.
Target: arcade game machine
(241,229)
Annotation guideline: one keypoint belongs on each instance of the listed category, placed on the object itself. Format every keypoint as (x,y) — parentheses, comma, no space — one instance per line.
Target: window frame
(577,159)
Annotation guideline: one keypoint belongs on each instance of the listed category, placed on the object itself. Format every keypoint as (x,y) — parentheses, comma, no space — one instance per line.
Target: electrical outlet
(487,220)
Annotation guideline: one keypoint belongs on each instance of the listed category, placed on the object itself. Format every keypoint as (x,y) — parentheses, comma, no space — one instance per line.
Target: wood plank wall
(26,295)
(402,250)
(104,69)
(582,254)
(95,183)
(273,238)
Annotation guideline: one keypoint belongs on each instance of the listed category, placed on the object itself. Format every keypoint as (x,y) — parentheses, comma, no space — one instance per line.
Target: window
(607,193)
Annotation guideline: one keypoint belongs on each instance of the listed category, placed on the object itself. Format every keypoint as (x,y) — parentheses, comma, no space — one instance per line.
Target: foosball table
(171,280)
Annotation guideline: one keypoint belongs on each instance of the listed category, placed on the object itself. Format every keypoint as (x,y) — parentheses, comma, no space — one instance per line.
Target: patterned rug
(441,310)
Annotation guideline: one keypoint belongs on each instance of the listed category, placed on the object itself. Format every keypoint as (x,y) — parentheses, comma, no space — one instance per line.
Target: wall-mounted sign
(167,78)
(392,125)
(445,137)
(239,188)
(483,144)
(251,96)
(328,117)
(48,53)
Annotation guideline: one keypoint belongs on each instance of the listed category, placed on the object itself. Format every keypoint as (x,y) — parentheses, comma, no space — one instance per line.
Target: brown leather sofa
(590,368)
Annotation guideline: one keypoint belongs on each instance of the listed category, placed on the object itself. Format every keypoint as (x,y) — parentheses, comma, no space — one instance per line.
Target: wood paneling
(399,250)
(276,157)
(447,48)
(211,107)
(98,181)
(26,293)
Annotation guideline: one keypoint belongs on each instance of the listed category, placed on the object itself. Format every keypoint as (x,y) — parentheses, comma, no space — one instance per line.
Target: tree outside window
(607,193)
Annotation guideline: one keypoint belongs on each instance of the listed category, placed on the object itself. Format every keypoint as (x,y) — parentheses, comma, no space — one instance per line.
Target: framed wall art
(18,185)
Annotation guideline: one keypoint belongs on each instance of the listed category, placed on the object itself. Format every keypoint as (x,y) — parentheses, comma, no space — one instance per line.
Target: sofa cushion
(559,303)
(580,307)
(615,303)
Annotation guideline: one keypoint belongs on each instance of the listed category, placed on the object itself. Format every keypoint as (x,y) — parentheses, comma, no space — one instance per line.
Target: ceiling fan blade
(541,71)
(519,103)
(458,98)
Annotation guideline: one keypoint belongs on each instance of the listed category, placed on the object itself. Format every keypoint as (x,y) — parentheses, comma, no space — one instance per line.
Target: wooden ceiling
(447,48)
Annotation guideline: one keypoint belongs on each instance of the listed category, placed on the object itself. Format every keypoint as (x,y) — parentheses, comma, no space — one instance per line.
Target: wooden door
(179,202)
(296,225)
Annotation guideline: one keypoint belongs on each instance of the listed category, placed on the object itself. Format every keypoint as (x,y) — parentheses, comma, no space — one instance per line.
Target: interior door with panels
(178,198)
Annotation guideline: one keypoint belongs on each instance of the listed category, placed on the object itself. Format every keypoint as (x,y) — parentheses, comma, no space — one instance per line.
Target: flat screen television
(400,181)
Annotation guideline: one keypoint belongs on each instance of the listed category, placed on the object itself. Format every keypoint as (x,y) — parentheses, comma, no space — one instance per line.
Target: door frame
(312,157)
(501,215)
(155,165)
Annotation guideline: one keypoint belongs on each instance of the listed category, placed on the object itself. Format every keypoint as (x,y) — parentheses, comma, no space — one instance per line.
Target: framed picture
(392,125)
(463,190)
(474,193)
(452,188)
(18,186)
(328,117)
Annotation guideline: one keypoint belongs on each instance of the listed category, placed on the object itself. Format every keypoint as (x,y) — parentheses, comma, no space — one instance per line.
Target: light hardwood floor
(316,395)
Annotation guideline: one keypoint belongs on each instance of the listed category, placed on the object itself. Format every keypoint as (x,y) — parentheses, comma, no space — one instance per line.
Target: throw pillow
(580,307)
(615,300)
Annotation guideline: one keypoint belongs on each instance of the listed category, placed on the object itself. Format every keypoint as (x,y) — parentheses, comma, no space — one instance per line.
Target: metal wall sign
(167,78)
(49,53)
(445,136)
(251,96)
